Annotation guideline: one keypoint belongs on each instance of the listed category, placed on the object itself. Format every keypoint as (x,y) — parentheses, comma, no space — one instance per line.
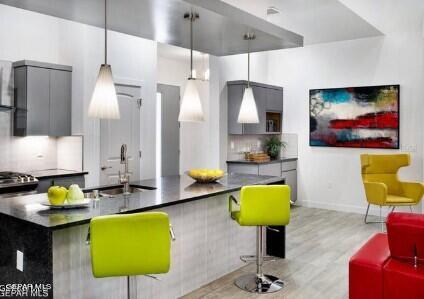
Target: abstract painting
(363,117)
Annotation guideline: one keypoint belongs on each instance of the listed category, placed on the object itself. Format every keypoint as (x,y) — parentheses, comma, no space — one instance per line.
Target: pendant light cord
(248,63)
(105,31)
(191,44)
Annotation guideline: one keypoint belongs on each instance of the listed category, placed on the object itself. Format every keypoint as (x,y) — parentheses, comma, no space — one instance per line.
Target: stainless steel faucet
(124,178)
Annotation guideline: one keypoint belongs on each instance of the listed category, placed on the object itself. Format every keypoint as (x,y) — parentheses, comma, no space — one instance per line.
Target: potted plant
(273,146)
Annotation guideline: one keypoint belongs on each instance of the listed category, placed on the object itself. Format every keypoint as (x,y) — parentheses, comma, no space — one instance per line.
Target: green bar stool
(130,244)
(261,206)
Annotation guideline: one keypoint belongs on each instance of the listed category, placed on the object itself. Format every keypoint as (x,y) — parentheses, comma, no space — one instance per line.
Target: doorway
(126,130)
(168,130)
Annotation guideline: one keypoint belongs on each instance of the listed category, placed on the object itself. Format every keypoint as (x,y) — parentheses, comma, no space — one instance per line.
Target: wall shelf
(273,122)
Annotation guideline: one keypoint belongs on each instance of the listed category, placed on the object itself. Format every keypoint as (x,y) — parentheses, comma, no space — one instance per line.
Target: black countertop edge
(260,163)
(145,209)
(157,206)
(56,173)
(160,193)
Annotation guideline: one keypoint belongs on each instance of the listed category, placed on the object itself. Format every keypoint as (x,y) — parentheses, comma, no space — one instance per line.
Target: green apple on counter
(57,195)
(75,194)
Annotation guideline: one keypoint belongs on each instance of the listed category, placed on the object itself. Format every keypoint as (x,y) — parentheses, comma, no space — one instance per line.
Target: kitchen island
(55,253)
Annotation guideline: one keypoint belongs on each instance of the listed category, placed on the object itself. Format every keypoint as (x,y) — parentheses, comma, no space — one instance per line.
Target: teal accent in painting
(337,96)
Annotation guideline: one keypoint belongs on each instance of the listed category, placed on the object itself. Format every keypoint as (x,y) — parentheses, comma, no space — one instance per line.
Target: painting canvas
(363,117)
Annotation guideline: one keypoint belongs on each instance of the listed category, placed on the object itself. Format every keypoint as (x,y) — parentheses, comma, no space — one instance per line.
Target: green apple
(57,195)
(75,194)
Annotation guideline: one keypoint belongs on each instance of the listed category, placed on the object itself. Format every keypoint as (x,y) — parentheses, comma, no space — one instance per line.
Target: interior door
(170,129)
(126,130)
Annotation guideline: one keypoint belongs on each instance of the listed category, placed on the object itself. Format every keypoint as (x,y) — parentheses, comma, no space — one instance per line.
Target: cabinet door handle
(105,167)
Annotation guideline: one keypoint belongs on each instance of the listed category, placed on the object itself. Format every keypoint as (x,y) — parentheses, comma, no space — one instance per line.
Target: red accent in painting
(380,142)
(379,120)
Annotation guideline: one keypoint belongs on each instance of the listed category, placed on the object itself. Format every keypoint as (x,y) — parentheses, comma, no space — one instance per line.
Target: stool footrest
(252,258)
(259,284)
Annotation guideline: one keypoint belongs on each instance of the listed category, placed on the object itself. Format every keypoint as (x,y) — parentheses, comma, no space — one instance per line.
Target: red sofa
(391,266)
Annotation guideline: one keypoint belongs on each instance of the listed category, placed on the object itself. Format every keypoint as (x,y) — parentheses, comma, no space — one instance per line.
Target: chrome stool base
(259,284)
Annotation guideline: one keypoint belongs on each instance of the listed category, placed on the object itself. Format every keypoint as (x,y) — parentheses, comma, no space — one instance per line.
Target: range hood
(219,30)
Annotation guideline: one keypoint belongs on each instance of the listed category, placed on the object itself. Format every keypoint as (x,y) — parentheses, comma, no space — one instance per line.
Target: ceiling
(390,16)
(319,21)
(219,30)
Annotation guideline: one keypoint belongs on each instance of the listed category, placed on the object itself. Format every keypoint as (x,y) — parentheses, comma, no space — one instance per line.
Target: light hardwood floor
(319,244)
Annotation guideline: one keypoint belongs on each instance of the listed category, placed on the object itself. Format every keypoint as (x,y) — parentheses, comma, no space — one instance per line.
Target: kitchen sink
(118,191)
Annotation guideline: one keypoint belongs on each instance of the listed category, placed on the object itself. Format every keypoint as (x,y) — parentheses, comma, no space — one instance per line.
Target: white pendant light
(191,106)
(248,113)
(104,101)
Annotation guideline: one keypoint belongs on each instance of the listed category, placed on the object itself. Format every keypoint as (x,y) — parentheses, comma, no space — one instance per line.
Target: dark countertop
(259,163)
(54,173)
(169,191)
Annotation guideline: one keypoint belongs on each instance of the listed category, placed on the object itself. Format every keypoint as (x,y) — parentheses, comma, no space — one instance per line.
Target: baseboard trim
(358,209)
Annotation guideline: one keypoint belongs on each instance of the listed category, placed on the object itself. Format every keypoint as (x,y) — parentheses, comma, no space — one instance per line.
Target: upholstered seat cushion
(399,199)
(402,280)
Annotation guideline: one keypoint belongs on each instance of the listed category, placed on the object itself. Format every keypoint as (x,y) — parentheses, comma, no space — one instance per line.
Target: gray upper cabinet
(43,98)
(235,95)
(38,85)
(268,99)
(274,100)
(60,103)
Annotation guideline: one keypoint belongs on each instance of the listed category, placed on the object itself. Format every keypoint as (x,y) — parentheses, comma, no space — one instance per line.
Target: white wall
(28,35)
(199,142)
(330,177)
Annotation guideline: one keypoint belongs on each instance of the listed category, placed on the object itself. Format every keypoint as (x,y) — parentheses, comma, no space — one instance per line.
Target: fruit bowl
(205,175)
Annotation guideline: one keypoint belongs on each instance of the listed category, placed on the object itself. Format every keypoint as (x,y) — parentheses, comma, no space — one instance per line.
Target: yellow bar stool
(130,244)
(261,206)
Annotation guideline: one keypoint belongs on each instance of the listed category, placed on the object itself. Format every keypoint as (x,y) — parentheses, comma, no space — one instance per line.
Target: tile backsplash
(237,144)
(40,152)
(33,152)
(37,152)
(291,149)
(70,152)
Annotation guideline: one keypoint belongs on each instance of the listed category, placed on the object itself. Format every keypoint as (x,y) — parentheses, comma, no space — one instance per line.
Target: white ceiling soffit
(180,54)
(319,21)
(219,31)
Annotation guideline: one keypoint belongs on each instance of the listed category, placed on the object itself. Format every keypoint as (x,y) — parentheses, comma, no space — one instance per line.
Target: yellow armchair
(382,185)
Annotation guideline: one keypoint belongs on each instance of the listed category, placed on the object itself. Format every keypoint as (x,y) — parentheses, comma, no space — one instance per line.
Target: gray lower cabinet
(43,99)
(273,169)
(286,169)
(45,184)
